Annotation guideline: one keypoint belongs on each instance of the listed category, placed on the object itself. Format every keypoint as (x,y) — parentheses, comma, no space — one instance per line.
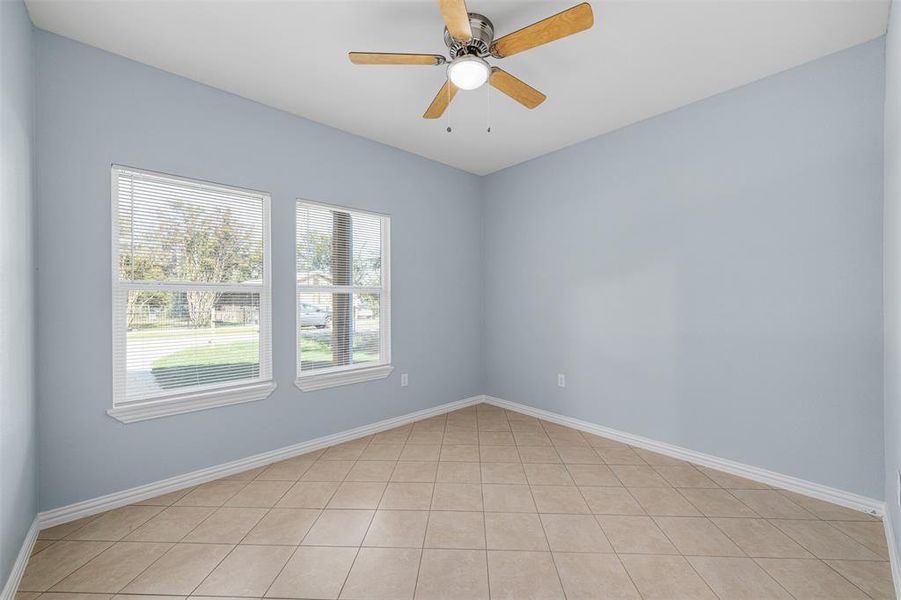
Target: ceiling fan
(470,40)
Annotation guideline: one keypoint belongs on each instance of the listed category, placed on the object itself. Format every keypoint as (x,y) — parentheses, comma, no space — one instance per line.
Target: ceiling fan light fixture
(468,72)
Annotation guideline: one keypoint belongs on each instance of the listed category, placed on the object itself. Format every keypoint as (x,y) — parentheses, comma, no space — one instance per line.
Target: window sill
(192,402)
(310,383)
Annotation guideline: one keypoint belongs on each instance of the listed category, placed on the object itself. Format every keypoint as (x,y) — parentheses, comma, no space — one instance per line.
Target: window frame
(347,374)
(198,397)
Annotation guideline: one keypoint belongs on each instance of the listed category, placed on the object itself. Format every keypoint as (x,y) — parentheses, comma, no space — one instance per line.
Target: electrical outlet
(404,380)
(561,380)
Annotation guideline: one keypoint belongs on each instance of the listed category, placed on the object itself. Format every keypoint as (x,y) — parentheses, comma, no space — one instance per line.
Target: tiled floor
(476,504)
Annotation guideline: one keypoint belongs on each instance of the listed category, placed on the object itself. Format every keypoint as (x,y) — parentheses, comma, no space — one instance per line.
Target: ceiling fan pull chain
(448,111)
(489,109)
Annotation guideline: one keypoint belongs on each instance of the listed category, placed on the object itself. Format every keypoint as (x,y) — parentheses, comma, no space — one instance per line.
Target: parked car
(363,312)
(312,315)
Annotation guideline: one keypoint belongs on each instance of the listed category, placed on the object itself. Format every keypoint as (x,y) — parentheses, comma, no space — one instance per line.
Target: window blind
(342,289)
(190,285)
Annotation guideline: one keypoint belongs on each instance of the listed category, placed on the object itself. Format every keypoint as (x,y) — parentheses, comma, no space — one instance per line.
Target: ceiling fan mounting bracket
(479,45)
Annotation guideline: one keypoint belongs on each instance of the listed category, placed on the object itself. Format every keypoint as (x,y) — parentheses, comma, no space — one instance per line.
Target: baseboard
(787,482)
(87,508)
(15,575)
(892,551)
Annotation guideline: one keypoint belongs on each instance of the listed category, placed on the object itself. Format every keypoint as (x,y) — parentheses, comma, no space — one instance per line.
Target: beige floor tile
(34,595)
(665,502)
(77,596)
(574,533)
(827,510)
(547,474)
(870,534)
(508,498)
(426,437)
(493,425)
(180,570)
(824,540)
(538,454)
(529,438)
(457,435)
(424,452)
(347,451)
(56,562)
(226,526)
(501,454)
(308,494)
(390,452)
(41,545)
(397,529)
(593,576)
(635,535)
(259,494)
(459,472)
(503,473)
(382,573)
(620,456)
(611,501)
(559,499)
(371,470)
(731,482)
(697,536)
(328,470)
(291,469)
(165,499)
(496,438)
(171,525)
(110,571)
(514,531)
(398,435)
(313,572)
(457,496)
(407,496)
(58,532)
(595,475)
(446,529)
(339,528)
(415,471)
(568,440)
(468,453)
(810,579)
(282,526)
(358,494)
(596,441)
(638,476)
(665,578)
(760,539)
(214,493)
(453,575)
(654,459)
(685,477)
(116,524)
(246,475)
(247,571)
(578,455)
(770,504)
(873,577)
(716,503)
(514,575)
(738,578)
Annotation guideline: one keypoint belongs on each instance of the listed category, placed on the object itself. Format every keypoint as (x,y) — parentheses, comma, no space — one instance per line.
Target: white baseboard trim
(87,508)
(787,482)
(15,575)
(892,551)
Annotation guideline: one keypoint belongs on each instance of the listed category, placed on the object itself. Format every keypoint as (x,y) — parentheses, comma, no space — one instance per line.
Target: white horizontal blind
(342,289)
(191,294)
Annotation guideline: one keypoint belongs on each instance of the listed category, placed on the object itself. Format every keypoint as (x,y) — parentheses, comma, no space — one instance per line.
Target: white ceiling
(640,59)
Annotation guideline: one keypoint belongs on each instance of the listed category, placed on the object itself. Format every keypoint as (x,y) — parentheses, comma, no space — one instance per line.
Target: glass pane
(338,330)
(180,340)
(176,231)
(338,248)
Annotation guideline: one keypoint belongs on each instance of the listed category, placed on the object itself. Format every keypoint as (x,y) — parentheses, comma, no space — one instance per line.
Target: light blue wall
(710,278)
(94,109)
(18,448)
(893,270)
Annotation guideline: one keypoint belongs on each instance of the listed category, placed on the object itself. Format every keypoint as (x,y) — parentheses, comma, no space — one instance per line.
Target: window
(343,302)
(191,295)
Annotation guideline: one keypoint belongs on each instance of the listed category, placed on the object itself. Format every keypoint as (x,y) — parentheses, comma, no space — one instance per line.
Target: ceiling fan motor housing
(479,45)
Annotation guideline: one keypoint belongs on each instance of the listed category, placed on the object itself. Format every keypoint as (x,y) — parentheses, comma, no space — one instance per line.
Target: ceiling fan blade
(394,58)
(570,21)
(516,89)
(456,17)
(442,99)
